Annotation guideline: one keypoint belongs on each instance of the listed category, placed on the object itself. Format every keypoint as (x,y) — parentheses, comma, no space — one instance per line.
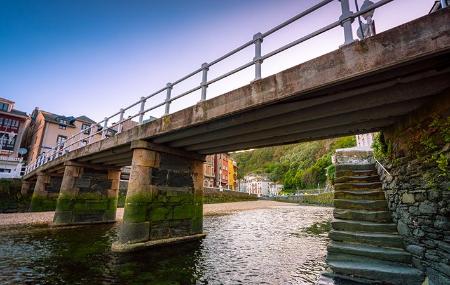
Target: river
(278,245)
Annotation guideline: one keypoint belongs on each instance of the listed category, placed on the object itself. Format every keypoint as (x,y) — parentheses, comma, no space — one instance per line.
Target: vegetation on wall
(297,166)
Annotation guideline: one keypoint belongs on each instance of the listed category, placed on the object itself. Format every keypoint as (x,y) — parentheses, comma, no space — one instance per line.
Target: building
(208,172)
(365,140)
(12,126)
(220,171)
(232,174)
(260,185)
(47,130)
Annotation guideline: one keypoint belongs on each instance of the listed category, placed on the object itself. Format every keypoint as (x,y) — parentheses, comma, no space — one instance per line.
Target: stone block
(160,213)
(444,246)
(63,217)
(160,230)
(134,232)
(185,211)
(416,250)
(403,228)
(408,198)
(427,208)
(135,213)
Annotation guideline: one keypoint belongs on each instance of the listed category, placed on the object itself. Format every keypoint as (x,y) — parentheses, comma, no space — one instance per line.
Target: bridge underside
(362,87)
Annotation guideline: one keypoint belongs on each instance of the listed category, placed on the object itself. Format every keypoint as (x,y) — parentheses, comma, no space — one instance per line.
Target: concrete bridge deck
(361,87)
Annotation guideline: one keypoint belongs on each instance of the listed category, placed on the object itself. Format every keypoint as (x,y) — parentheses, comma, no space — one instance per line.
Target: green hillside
(296,166)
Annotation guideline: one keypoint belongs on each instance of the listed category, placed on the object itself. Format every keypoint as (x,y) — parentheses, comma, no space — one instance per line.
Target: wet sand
(208,210)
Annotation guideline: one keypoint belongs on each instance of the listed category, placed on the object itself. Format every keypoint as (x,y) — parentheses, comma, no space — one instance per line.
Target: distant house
(12,126)
(260,185)
(220,171)
(47,130)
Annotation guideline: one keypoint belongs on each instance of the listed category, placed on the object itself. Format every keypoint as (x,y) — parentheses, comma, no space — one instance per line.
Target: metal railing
(382,167)
(103,129)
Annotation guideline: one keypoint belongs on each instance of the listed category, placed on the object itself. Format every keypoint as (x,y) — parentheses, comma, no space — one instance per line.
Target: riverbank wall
(212,196)
(322,199)
(416,155)
(11,199)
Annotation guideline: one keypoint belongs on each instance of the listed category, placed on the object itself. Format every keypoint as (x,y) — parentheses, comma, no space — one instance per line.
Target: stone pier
(164,199)
(45,192)
(88,195)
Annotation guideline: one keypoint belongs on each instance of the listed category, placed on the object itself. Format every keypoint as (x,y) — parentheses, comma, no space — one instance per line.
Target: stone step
(377,270)
(360,195)
(329,278)
(357,186)
(357,178)
(343,173)
(363,215)
(363,226)
(373,205)
(375,239)
(353,167)
(381,253)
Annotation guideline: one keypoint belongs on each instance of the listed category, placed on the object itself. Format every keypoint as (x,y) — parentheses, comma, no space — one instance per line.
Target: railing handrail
(86,135)
(382,167)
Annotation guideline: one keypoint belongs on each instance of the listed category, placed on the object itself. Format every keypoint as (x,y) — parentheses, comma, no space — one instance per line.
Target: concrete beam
(364,115)
(401,92)
(350,129)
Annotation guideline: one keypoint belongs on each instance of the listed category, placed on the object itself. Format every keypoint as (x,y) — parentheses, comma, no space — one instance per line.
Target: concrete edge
(129,247)
(80,224)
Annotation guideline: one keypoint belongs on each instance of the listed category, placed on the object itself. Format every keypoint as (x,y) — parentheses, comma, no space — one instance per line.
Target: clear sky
(92,57)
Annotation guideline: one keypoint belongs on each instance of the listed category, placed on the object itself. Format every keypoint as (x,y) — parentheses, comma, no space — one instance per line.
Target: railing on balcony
(105,128)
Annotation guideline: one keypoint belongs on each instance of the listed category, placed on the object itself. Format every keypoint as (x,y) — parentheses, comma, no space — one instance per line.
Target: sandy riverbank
(208,210)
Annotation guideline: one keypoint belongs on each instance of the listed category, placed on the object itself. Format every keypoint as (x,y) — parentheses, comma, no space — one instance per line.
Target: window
(62,124)
(5,170)
(4,107)
(7,122)
(60,140)
(86,128)
(7,142)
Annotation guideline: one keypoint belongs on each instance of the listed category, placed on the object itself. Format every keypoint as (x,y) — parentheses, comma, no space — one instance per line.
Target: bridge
(364,86)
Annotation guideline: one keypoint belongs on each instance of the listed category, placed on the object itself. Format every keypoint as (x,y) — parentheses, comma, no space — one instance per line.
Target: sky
(93,57)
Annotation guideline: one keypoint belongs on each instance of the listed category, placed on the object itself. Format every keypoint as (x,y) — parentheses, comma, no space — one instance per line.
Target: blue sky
(94,57)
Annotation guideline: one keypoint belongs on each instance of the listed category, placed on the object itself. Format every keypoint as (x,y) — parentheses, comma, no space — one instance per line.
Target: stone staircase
(365,246)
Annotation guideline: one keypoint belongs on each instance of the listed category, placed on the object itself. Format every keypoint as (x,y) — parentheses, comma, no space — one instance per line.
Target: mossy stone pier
(164,199)
(45,194)
(88,195)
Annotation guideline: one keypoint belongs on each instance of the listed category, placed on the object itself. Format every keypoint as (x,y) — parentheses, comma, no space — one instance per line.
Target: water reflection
(266,246)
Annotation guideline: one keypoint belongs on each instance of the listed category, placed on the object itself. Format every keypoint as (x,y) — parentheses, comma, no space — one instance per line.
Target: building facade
(259,185)
(12,126)
(47,130)
(220,171)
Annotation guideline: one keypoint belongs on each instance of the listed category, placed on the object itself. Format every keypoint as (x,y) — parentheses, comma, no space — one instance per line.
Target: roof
(85,119)
(53,118)
(19,113)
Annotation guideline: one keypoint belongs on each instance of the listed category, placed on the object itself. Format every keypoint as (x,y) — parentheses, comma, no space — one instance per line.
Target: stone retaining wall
(323,199)
(211,196)
(11,200)
(417,154)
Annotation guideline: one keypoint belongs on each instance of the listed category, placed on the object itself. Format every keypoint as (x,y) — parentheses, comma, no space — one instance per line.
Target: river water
(280,245)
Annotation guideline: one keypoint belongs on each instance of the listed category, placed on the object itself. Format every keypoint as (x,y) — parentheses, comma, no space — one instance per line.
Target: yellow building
(232,174)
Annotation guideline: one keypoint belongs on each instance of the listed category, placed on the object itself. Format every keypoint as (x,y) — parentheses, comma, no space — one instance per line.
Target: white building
(259,185)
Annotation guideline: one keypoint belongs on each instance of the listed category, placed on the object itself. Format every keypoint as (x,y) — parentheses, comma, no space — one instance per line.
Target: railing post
(105,125)
(120,126)
(346,23)
(444,4)
(169,91)
(205,68)
(141,112)
(258,39)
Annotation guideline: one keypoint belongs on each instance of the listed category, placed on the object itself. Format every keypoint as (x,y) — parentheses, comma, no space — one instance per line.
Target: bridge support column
(164,201)
(45,192)
(88,195)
